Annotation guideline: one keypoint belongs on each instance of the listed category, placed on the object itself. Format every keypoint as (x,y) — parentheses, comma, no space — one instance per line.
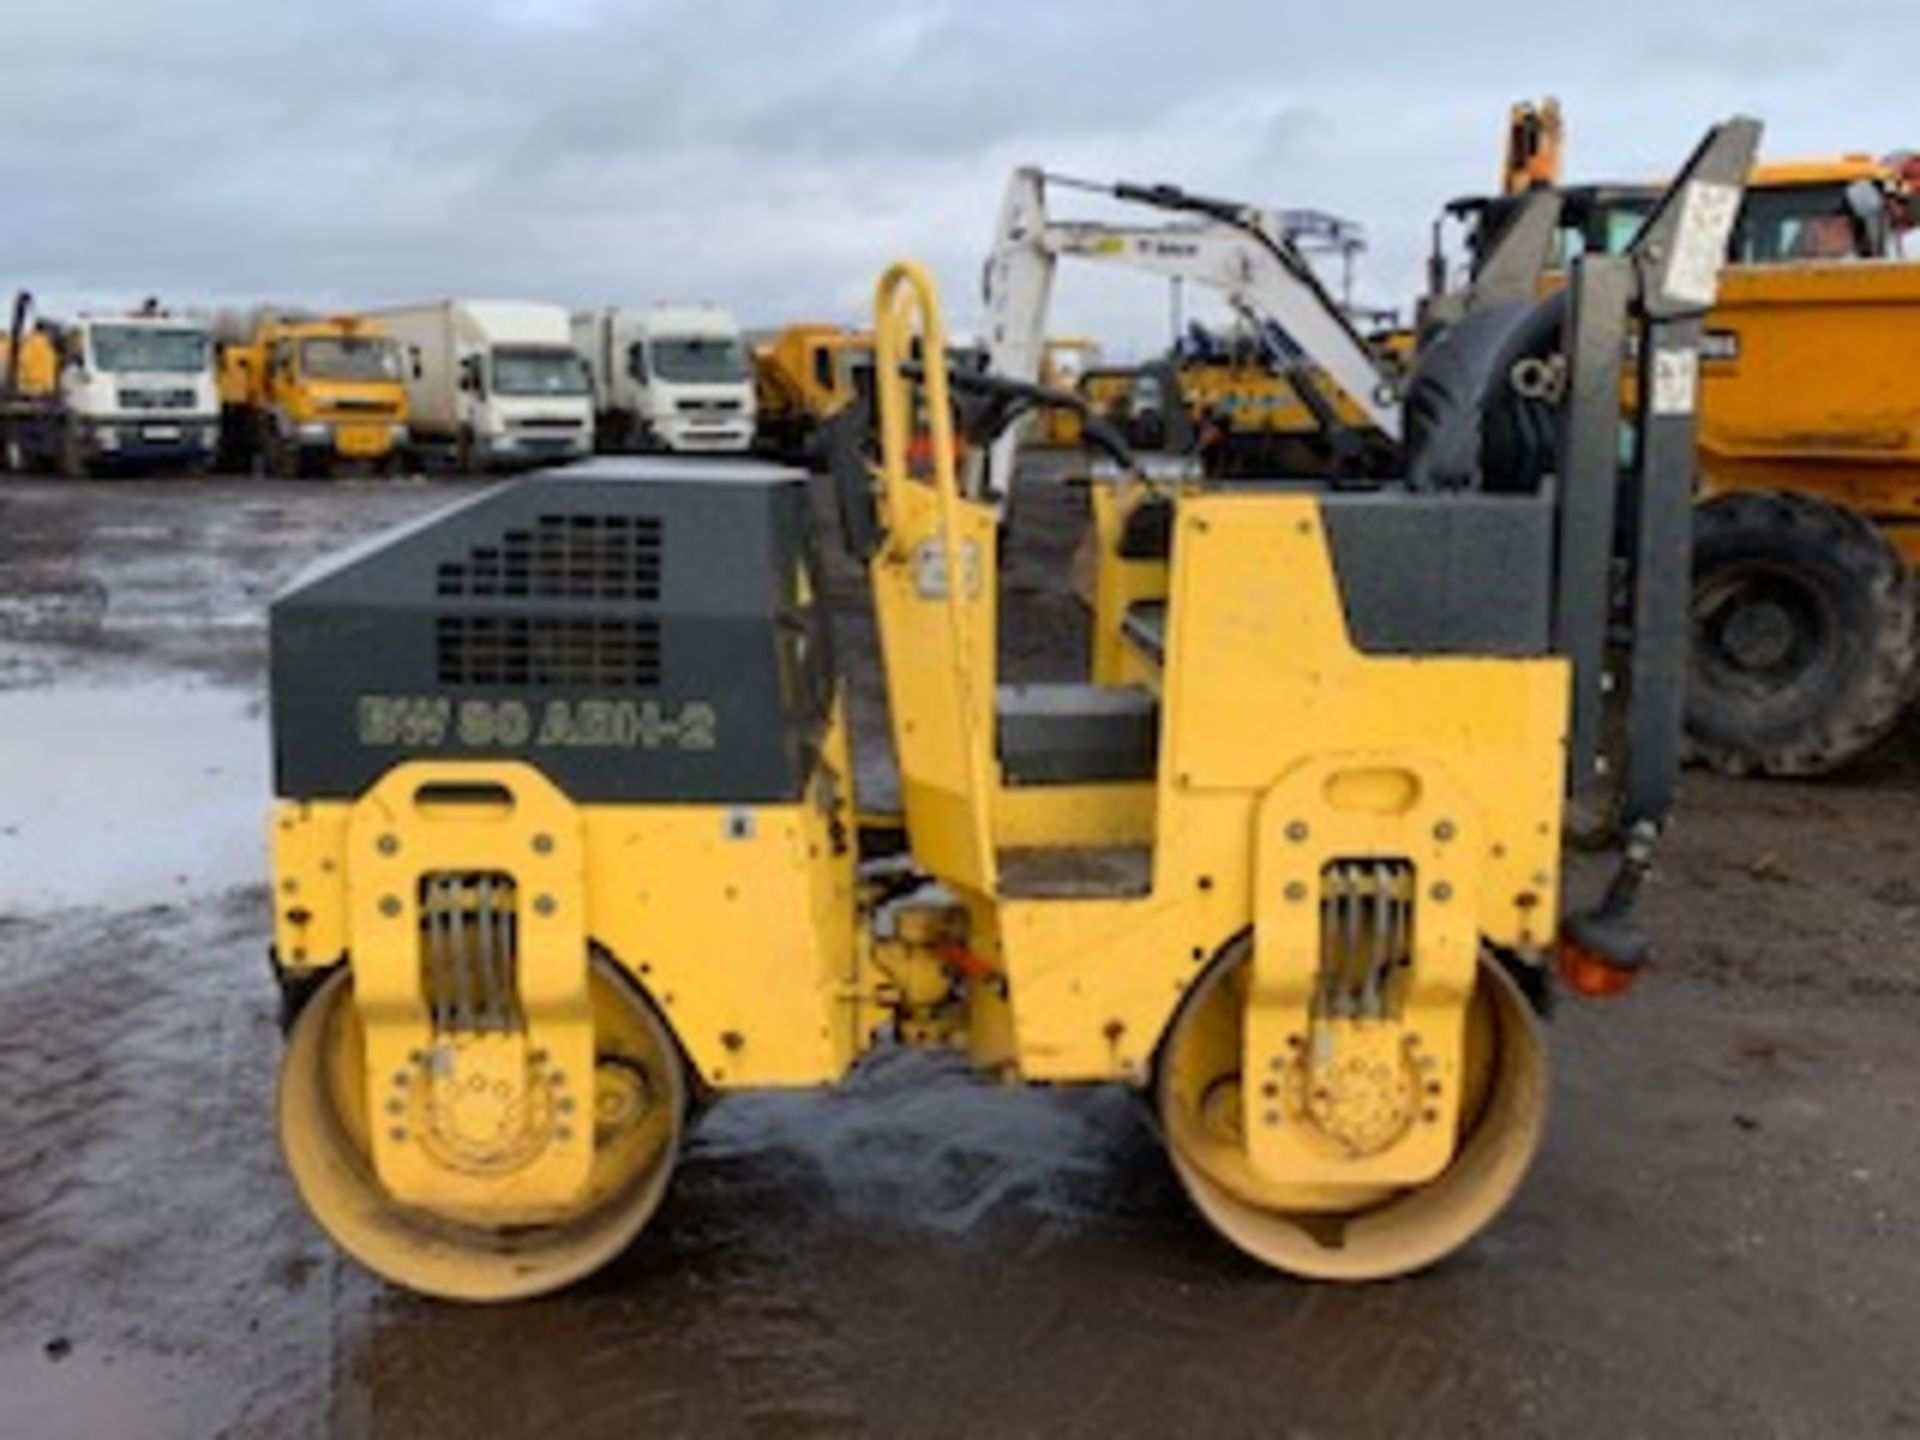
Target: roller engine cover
(641,630)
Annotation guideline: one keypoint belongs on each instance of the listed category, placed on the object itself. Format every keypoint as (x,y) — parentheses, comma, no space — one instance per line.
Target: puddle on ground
(129,795)
(81,1396)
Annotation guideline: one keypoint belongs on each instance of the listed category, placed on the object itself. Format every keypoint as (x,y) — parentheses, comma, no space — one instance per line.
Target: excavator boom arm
(1257,272)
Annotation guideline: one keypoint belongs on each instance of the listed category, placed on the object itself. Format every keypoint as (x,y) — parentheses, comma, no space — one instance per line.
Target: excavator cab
(567,835)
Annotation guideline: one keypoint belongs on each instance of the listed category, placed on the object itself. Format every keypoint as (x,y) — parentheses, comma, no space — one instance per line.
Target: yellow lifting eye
(1377,790)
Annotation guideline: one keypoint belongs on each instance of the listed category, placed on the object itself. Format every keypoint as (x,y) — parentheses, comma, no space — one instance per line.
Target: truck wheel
(281,459)
(73,456)
(1804,635)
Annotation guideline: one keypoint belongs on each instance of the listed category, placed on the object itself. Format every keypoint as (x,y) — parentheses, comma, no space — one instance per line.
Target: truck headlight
(397,434)
(313,432)
(107,438)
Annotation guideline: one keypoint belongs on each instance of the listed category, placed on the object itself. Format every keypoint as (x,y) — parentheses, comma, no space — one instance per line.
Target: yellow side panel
(1044,815)
(1094,981)
(39,369)
(739,924)
(1262,673)
(737,921)
(1118,582)
(1262,678)
(241,369)
(309,883)
(1808,383)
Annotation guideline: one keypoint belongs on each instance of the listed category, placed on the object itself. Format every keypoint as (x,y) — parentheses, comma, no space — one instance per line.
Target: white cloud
(773,156)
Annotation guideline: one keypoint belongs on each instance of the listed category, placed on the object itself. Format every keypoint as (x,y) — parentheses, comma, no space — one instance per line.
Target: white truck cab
(133,391)
(497,380)
(668,377)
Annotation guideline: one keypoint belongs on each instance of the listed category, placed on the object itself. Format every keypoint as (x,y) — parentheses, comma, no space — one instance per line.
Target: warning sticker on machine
(1707,211)
(1676,381)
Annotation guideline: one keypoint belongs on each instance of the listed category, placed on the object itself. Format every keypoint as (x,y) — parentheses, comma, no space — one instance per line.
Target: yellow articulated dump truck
(312,397)
(801,376)
(1806,643)
(566,836)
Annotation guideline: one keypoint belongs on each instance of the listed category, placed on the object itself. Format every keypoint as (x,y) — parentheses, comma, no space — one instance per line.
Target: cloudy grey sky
(772,156)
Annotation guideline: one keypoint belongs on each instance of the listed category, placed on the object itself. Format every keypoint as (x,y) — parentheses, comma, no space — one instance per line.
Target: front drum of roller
(640,1101)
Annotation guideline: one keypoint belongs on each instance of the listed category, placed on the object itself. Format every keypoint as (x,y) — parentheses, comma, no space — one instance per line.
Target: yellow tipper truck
(307,397)
(1806,645)
(802,375)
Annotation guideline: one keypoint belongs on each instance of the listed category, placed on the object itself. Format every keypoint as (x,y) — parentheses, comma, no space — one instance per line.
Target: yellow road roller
(566,839)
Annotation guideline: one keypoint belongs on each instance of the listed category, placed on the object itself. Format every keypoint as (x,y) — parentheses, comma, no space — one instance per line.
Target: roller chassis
(1279,874)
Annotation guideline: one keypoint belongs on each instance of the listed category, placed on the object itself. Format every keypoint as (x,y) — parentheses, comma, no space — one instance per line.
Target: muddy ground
(1722,1235)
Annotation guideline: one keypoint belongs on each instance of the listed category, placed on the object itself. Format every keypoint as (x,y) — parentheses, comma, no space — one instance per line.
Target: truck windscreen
(1801,222)
(349,357)
(122,348)
(538,372)
(1777,224)
(699,359)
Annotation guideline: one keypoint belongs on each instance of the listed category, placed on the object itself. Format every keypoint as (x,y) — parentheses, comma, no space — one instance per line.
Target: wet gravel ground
(1722,1235)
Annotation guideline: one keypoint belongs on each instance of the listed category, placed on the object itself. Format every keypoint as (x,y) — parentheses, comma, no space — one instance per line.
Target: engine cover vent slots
(545,652)
(1366,938)
(564,557)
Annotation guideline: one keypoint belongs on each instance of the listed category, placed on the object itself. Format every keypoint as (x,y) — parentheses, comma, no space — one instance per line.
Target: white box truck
(497,382)
(668,377)
(123,391)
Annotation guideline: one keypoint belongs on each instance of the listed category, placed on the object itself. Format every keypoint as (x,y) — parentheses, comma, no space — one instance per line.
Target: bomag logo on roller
(428,722)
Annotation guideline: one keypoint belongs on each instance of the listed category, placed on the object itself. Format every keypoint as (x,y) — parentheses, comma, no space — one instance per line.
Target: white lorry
(124,391)
(668,377)
(497,382)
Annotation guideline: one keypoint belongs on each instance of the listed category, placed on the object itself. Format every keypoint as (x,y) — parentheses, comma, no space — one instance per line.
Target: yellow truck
(1063,362)
(1806,646)
(801,375)
(1245,417)
(310,397)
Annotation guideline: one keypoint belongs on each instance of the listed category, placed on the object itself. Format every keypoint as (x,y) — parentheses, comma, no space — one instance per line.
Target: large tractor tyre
(1805,645)
(1350,1234)
(638,1113)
